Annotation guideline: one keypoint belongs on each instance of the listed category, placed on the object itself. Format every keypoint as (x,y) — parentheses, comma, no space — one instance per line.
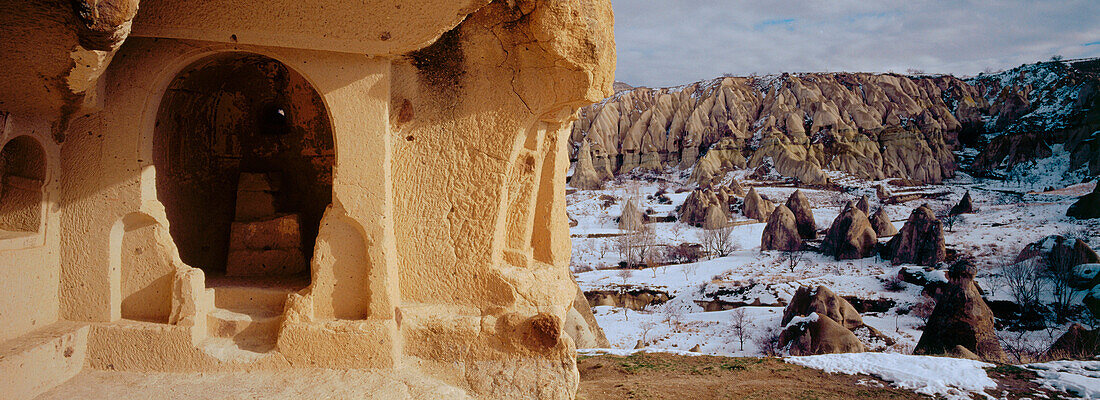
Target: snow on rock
(952,378)
(1079,378)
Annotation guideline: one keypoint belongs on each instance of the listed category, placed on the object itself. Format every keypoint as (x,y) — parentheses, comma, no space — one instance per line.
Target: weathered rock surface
(706,207)
(803,215)
(823,301)
(634,299)
(581,324)
(781,232)
(818,334)
(864,204)
(755,207)
(1059,249)
(850,236)
(1077,343)
(871,126)
(965,206)
(630,219)
(961,318)
(920,240)
(1087,206)
(882,225)
(584,174)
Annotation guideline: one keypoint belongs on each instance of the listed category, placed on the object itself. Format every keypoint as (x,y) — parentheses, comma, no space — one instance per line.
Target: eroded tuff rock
(1087,206)
(781,232)
(803,215)
(864,204)
(756,207)
(823,301)
(581,324)
(818,334)
(882,225)
(920,240)
(631,217)
(584,174)
(705,204)
(1077,343)
(961,318)
(871,126)
(850,236)
(965,205)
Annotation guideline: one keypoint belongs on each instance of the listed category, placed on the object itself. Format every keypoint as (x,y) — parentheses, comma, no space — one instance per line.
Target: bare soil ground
(667,376)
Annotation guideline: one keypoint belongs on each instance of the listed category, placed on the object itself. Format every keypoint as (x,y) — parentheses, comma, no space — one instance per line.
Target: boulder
(821,300)
(818,334)
(965,206)
(882,225)
(850,236)
(961,318)
(755,207)
(781,232)
(864,205)
(803,215)
(920,241)
(1077,343)
(1059,249)
(1087,206)
(584,173)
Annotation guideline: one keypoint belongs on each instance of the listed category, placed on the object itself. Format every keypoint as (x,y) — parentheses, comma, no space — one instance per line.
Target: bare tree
(792,258)
(767,341)
(739,324)
(625,274)
(646,327)
(671,313)
(603,248)
(720,241)
(1023,280)
(950,220)
(1059,274)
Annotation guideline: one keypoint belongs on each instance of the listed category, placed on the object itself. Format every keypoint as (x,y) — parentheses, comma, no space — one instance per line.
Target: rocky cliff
(871,126)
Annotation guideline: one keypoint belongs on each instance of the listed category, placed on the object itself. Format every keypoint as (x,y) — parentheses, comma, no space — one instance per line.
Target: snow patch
(952,378)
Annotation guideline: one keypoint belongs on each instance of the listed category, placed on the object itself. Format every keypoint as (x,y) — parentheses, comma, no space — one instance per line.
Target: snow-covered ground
(949,378)
(1008,218)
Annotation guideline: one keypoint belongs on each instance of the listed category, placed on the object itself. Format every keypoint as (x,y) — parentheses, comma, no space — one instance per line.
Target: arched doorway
(243,150)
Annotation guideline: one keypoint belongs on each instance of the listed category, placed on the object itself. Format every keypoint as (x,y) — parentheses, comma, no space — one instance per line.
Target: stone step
(270,299)
(244,324)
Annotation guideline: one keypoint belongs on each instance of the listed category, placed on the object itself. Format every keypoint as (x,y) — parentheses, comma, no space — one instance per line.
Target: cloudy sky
(671,42)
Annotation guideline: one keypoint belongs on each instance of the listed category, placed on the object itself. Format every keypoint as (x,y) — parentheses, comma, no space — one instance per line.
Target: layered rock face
(871,126)
(961,318)
(850,236)
(920,240)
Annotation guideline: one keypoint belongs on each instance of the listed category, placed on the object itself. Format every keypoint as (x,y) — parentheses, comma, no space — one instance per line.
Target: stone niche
(22,177)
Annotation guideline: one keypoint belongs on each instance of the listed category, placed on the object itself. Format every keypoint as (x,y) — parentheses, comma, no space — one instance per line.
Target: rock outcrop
(850,236)
(1077,343)
(705,207)
(920,240)
(755,207)
(864,204)
(882,225)
(803,215)
(781,232)
(961,318)
(965,206)
(1087,206)
(1060,250)
(821,300)
(871,126)
(581,324)
(584,173)
(818,334)
(631,217)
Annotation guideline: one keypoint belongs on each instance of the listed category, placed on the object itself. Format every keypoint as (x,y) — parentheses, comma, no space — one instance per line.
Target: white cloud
(670,42)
